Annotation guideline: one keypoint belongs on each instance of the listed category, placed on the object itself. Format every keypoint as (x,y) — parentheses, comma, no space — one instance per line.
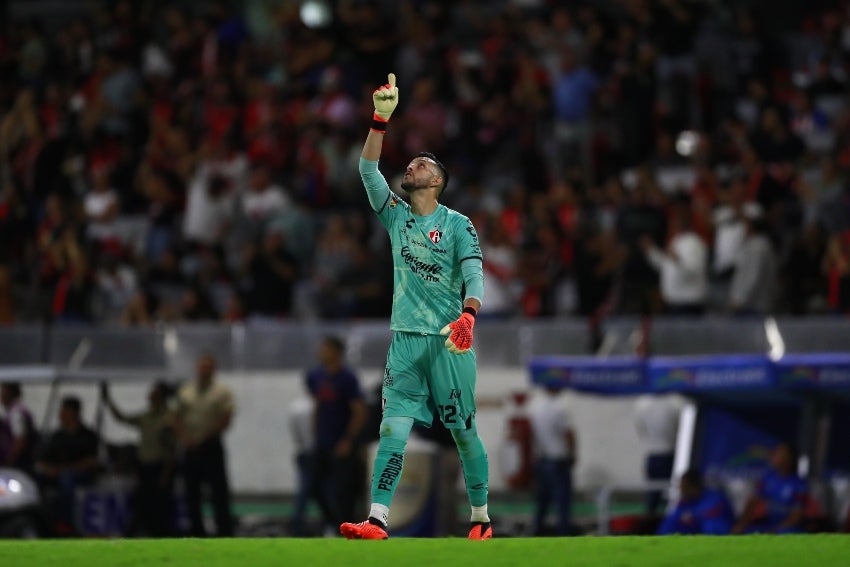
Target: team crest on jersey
(435,235)
(393,202)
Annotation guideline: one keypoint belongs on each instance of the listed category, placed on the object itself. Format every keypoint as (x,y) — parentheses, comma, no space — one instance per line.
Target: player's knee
(466,439)
(397,428)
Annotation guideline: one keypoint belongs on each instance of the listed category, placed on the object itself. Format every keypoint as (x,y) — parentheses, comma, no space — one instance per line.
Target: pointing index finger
(391,79)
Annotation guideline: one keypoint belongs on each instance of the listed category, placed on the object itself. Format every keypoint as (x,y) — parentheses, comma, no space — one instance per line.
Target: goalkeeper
(438,280)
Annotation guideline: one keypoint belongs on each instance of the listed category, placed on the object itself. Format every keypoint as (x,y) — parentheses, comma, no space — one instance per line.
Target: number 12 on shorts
(449,412)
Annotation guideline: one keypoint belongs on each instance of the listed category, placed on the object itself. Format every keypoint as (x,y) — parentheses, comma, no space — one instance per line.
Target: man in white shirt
(263,199)
(204,414)
(209,208)
(683,267)
(101,206)
(555,455)
(730,230)
(23,436)
(657,423)
(751,291)
(301,428)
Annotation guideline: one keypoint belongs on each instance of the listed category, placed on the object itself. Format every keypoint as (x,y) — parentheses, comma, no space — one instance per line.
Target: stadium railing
(506,343)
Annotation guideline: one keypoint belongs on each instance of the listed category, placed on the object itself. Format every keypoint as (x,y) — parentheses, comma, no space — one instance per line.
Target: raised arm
(385,100)
(113,409)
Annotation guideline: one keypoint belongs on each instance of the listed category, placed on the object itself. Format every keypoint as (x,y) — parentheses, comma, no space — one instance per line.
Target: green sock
(473,457)
(390,458)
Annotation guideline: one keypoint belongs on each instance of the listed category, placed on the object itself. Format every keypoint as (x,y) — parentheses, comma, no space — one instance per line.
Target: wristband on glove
(379,124)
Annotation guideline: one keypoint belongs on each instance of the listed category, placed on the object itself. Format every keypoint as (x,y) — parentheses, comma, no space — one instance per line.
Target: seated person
(779,499)
(20,433)
(699,511)
(68,459)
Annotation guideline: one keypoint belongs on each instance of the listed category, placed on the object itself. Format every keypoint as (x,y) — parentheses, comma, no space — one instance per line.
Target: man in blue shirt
(340,413)
(780,498)
(573,90)
(699,511)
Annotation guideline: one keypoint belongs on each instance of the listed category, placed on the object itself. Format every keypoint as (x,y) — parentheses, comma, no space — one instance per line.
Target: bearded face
(421,173)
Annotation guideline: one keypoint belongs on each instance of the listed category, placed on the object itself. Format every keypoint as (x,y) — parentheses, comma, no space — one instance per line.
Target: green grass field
(759,551)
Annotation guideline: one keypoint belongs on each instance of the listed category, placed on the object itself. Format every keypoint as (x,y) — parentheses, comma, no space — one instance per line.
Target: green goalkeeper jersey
(437,260)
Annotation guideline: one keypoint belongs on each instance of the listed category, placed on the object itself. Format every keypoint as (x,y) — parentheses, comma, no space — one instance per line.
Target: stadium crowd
(176,161)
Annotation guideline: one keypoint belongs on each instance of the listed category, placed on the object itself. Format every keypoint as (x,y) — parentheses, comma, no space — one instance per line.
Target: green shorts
(423,378)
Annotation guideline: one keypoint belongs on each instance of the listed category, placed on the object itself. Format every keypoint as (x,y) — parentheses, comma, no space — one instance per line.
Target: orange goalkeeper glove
(460,332)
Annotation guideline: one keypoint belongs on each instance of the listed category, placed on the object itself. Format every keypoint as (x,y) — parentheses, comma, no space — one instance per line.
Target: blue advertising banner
(808,371)
(698,373)
(614,375)
(695,374)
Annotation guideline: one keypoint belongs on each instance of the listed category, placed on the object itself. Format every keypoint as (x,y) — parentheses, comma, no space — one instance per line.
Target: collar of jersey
(419,218)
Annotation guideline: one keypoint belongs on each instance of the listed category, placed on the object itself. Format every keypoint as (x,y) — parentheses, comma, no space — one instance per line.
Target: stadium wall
(261,451)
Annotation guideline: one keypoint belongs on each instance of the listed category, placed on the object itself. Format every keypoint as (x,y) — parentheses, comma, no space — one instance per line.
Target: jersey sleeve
(468,253)
(384,202)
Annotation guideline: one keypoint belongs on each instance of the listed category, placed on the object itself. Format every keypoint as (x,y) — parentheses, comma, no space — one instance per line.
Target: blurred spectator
(205,409)
(175,104)
(805,288)
(730,230)
(302,429)
(806,118)
(264,199)
(72,297)
(824,82)
(836,265)
(639,219)
(209,208)
(340,413)
(156,455)
(773,141)
(362,291)
(555,456)
(597,258)
(268,276)
(19,449)
(500,271)
(572,97)
(753,281)
(657,423)
(117,284)
(426,119)
(779,501)
(334,251)
(101,206)
(333,105)
(68,459)
(683,267)
(700,511)
(7,300)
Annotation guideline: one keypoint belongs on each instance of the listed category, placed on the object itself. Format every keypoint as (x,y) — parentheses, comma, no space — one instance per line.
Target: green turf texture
(760,551)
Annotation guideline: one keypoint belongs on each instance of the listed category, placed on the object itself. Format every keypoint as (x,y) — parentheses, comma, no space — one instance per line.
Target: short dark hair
(793,452)
(72,403)
(14,389)
(443,171)
(693,477)
(335,343)
(164,388)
